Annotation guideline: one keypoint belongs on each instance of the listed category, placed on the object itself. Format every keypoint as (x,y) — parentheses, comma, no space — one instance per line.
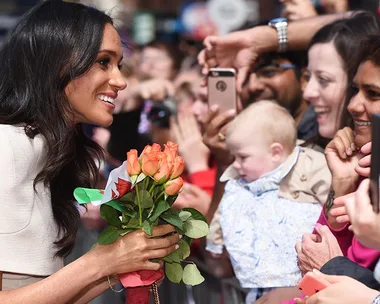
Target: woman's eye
(373,94)
(104,62)
(323,81)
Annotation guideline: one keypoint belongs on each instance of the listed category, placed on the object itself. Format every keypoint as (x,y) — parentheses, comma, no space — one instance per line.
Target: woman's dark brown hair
(53,44)
(347,36)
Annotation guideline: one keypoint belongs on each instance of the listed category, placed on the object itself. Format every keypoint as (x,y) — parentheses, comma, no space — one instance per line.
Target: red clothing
(203,179)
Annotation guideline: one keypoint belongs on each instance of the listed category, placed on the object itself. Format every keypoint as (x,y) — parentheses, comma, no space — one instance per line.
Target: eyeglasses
(272,70)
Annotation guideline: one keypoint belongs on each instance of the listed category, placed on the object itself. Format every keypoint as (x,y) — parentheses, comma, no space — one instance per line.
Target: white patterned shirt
(260,230)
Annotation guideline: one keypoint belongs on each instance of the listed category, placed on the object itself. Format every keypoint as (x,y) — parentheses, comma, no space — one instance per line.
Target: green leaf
(129,197)
(157,191)
(191,275)
(171,216)
(171,199)
(180,254)
(195,228)
(110,215)
(140,178)
(133,179)
(147,227)
(132,224)
(145,199)
(161,207)
(120,207)
(126,231)
(195,214)
(86,195)
(109,235)
(187,239)
(184,215)
(174,272)
(184,248)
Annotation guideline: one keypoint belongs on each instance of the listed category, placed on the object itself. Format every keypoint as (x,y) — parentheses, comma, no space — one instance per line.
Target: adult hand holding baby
(315,250)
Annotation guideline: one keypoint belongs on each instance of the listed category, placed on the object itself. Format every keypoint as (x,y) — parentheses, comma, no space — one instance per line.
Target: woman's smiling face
(326,87)
(91,95)
(365,101)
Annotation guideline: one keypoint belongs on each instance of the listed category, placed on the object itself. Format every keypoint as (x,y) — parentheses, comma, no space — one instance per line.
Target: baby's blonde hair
(268,121)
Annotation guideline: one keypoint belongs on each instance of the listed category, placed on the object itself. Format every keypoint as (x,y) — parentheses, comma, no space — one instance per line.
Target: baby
(273,196)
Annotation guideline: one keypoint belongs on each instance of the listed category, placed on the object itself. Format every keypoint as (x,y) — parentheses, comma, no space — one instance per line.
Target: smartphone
(311,284)
(375,163)
(221,84)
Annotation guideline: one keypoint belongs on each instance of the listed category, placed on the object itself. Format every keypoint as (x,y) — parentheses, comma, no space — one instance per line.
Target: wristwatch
(376,300)
(281,26)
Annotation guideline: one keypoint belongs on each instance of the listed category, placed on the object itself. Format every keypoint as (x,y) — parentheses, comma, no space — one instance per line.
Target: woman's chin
(105,123)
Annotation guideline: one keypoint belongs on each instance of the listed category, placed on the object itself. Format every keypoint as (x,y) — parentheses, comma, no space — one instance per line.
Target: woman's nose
(356,105)
(311,91)
(118,81)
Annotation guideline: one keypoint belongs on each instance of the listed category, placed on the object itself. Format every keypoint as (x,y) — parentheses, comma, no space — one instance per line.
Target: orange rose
(171,150)
(164,171)
(147,149)
(156,147)
(150,163)
(179,165)
(174,186)
(133,165)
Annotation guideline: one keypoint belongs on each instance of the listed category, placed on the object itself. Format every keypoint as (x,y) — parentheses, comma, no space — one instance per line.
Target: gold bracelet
(110,285)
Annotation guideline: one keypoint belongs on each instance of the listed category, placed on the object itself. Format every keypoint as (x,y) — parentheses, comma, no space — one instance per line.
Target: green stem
(139,204)
(161,194)
(152,188)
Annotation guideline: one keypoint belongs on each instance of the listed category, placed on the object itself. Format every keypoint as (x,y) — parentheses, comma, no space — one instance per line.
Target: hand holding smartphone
(311,284)
(375,163)
(221,84)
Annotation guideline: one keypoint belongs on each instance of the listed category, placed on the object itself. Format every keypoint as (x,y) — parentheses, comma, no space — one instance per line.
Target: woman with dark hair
(364,103)
(59,69)
(332,57)
(345,35)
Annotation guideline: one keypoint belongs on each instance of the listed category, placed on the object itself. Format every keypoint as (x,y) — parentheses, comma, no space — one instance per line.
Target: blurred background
(145,20)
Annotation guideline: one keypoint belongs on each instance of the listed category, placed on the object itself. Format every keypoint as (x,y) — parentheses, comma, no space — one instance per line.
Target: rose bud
(133,165)
(179,166)
(174,186)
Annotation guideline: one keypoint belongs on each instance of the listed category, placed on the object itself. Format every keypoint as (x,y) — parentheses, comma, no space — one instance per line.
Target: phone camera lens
(221,86)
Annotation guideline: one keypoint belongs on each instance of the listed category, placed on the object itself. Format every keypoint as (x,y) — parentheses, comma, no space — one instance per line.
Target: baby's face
(252,160)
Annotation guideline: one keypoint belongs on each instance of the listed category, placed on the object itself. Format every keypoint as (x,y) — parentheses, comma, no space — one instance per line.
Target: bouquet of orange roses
(139,195)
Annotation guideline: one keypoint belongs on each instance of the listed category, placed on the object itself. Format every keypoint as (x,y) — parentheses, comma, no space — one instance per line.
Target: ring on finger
(221,136)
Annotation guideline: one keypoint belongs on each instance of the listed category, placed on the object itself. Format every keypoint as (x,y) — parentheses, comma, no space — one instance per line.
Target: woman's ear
(277,152)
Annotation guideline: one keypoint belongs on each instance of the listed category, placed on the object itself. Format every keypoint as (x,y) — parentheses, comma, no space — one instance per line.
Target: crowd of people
(283,179)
